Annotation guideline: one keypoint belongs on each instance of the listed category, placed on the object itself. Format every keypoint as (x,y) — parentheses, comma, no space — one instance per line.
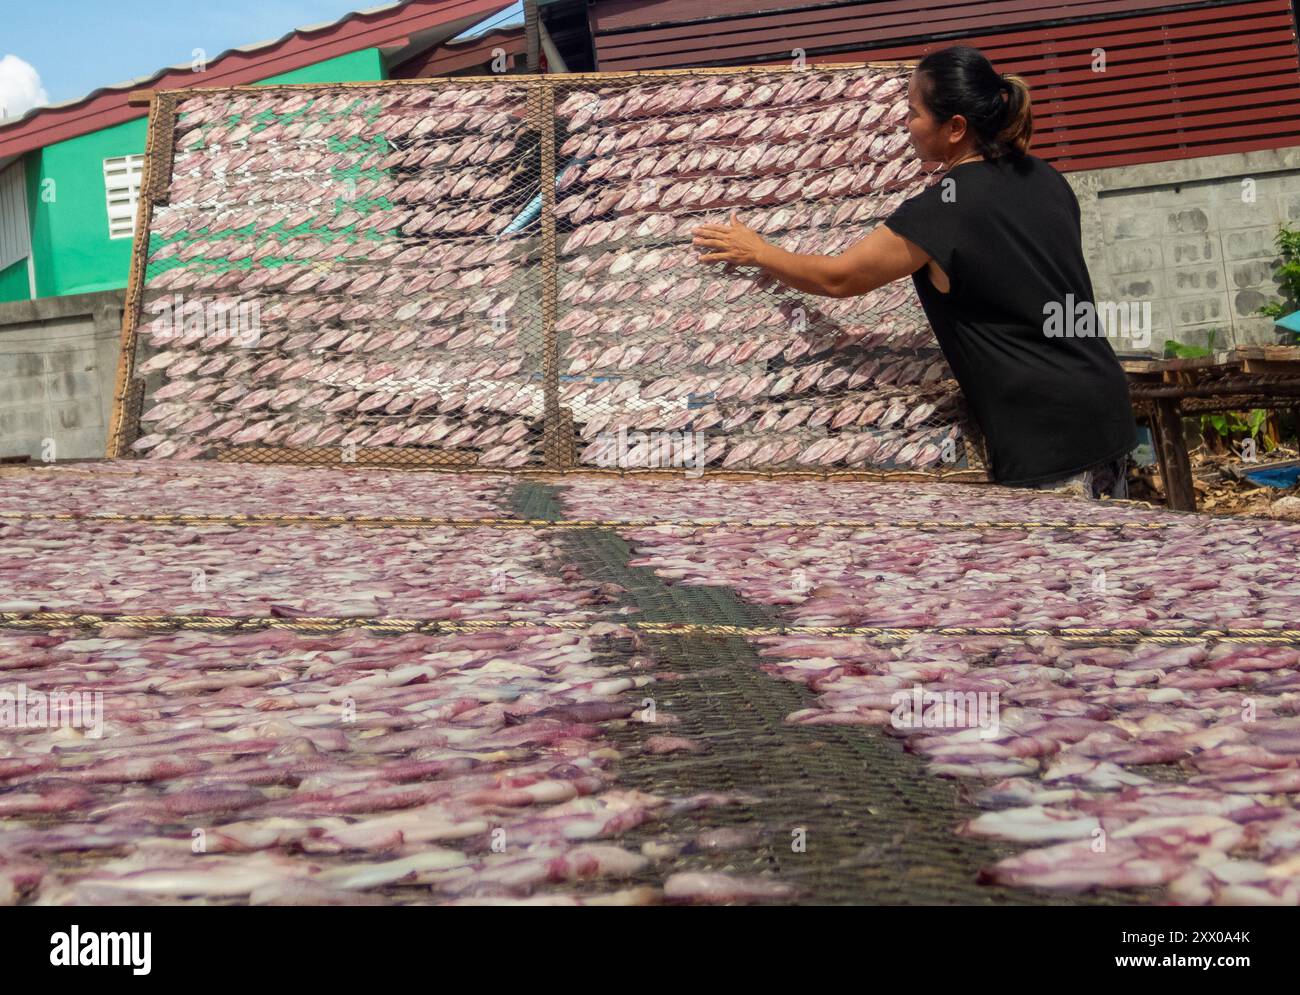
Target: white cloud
(20,87)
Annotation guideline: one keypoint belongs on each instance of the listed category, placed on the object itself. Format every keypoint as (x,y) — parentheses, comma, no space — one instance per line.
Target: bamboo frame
(524,79)
(555,455)
(558,444)
(139,261)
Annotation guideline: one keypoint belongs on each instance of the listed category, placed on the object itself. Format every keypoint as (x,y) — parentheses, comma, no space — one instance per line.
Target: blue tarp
(1283,476)
(1291,322)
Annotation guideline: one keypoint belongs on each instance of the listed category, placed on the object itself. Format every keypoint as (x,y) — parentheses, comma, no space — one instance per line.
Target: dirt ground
(1219,492)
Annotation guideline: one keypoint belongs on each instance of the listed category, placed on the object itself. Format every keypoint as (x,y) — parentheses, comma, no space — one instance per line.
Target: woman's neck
(968,157)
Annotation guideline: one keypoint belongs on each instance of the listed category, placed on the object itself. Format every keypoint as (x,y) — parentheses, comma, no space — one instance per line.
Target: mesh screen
(342,268)
(499,273)
(653,341)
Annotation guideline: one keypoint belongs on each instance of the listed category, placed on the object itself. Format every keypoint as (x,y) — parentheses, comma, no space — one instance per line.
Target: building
(70,172)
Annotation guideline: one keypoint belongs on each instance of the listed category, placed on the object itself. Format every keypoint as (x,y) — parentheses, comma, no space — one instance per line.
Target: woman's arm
(881,257)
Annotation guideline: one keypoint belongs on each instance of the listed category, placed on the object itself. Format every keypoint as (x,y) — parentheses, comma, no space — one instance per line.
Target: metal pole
(533,35)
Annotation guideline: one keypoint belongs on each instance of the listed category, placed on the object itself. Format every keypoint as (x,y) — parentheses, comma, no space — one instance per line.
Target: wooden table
(1164,390)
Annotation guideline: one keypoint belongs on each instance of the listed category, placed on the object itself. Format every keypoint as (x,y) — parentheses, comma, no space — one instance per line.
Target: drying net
(332,269)
(653,341)
(631,703)
(482,272)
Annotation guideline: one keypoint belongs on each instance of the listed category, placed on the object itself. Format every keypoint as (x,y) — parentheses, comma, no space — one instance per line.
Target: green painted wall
(13,282)
(68,207)
(70,242)
(368,64)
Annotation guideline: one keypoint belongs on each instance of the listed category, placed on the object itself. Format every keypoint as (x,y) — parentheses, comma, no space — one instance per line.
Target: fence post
(557,431)
(154,184)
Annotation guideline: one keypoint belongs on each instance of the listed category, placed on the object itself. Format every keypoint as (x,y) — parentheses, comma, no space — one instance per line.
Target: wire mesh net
(747,372)
(340,268)
(481,272)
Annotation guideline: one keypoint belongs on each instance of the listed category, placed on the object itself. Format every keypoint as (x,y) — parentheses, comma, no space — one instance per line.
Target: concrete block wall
(1182,236)
(58,372)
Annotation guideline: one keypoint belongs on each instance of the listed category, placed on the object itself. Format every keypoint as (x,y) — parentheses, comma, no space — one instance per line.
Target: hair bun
(961,80)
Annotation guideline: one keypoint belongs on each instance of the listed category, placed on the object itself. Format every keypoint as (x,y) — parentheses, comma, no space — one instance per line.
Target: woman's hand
(731,243)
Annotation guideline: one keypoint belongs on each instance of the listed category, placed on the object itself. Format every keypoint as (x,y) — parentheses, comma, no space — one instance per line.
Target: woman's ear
(956,128)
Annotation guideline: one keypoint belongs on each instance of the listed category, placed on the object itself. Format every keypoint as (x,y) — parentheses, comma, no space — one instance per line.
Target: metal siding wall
(15,234)
(745,29)
(1178,83)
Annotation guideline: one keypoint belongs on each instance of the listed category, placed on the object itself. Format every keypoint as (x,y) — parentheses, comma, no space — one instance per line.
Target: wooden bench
(1165,390)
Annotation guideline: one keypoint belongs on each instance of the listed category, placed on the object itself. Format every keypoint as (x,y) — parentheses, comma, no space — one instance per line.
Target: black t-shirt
(1007,235)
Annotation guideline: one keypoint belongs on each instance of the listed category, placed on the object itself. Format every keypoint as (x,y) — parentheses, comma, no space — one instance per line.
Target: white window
(122,184)
(15,235)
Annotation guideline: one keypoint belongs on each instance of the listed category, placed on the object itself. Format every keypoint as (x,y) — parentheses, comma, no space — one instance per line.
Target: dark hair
(961,80)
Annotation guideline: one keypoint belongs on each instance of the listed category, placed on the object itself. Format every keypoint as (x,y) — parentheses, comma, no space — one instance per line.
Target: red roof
(454,56)
(395,26)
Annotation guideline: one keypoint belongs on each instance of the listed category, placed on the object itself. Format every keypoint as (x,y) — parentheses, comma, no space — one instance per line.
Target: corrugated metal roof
(453,10)
(142,82)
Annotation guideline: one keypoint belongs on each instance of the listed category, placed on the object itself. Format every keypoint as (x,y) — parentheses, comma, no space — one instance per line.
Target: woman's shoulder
(930,194)
(1026,162)
(1027,168)
(1035,162)
(1043,168)
(1034,179)
(984,174)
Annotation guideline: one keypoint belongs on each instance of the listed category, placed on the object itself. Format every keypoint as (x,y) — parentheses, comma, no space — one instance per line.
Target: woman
(993,249)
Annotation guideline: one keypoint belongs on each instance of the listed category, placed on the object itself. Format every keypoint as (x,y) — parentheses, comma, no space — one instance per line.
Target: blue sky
(78,45)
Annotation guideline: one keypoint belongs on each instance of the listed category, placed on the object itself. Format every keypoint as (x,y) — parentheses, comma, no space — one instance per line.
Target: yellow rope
(334,624)
(568,524)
